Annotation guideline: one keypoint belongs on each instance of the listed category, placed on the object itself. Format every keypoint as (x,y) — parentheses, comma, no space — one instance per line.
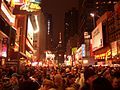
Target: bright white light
(4,54)
(37,28)
(17,1)
(92,14)
(40,63)
(30,31)
(10,17)
(34,63)
(85,61)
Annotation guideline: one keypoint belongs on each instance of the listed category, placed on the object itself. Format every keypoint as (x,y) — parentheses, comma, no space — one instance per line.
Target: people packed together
(60,78)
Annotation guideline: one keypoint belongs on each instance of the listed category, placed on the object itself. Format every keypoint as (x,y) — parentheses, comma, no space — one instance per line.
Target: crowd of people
(60,78)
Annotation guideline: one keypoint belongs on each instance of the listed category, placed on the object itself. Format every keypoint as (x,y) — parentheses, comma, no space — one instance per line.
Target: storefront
(103,56)
(10,49)
(115,49)
(3,47)
(7,32)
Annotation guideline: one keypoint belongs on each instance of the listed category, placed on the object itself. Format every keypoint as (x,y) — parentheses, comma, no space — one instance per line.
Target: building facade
(71,27)
(109,52)
(14,22)
(98,7)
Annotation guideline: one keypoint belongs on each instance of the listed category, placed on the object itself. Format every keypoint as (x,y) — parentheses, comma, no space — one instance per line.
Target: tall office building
(70,24)
(49,34)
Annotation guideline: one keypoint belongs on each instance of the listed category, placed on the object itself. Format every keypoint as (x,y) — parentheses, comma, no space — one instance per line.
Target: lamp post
(93,16)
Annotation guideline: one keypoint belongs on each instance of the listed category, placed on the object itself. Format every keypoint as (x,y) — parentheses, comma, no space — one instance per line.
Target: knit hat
(15,75)
(88,73)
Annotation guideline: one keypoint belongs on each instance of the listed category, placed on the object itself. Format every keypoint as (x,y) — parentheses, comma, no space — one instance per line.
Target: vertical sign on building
(83,50)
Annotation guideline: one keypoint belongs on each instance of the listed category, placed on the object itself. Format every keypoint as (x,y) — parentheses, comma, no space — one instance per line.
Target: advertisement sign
(74,50)
(97,38)
(31,5)
(30,30)
(9,17)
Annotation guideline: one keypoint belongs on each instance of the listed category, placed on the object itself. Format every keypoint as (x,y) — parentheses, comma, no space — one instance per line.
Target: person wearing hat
(14,81)
(89,76)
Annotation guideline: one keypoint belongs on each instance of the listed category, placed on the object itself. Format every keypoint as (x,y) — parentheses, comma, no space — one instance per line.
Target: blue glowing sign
(83,50)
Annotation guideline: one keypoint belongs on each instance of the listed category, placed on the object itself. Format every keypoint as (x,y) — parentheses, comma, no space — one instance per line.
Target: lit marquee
(31,5)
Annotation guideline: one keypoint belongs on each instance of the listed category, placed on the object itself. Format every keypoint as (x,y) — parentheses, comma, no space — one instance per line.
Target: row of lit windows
(109,2)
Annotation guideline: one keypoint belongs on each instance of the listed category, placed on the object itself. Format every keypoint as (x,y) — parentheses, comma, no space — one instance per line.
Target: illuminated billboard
(31,5)
(30,30)
(97,37)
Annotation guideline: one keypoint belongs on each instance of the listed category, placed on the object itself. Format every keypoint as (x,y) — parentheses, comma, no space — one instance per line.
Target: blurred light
(48,27)
(37,28)
(34,63)
(40,63)
(96,2)
(85,61)
(59,54)
(114,2)
(109,2)
(92,14)
(7,13)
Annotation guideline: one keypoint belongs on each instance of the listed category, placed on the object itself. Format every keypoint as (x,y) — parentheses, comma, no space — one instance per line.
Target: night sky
(58,8)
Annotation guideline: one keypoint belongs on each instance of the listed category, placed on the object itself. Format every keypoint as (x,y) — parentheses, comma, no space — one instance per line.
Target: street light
(93,16)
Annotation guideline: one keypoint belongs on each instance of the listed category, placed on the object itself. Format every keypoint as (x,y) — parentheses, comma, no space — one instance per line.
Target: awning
(18,55)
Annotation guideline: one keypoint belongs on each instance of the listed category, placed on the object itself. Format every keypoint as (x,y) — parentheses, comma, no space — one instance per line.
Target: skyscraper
(70,24)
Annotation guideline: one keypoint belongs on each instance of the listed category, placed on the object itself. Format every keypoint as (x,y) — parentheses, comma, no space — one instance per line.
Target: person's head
(58,80)
(101,83)
(47,84)
(75,86)
(89,75)
(107,74)
(14,78)
(71,79)
(116,80)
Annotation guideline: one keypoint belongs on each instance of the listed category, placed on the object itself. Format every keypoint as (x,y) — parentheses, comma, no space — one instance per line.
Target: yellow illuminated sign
(34,6)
